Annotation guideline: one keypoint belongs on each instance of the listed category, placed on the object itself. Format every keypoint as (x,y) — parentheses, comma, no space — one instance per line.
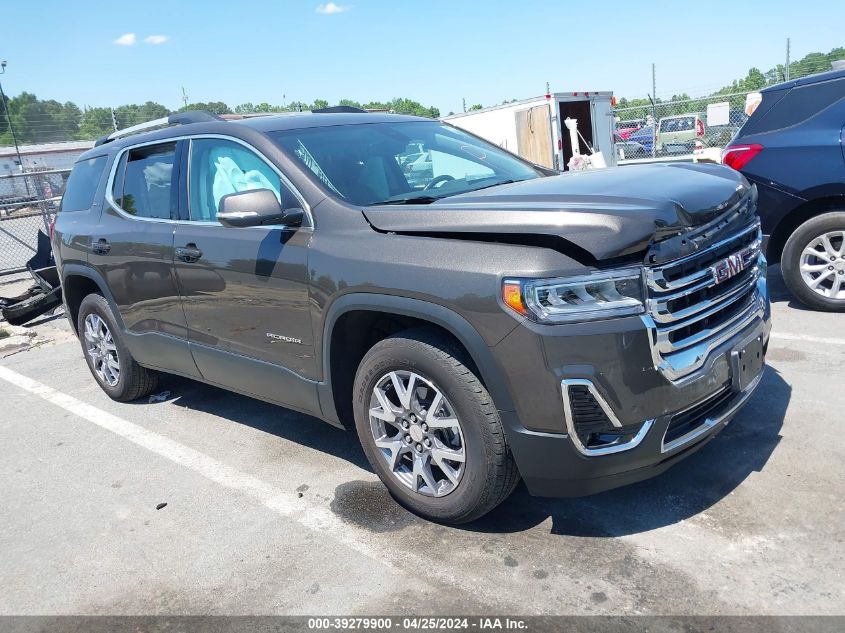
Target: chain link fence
(655,129)
(677,128)
(28,204)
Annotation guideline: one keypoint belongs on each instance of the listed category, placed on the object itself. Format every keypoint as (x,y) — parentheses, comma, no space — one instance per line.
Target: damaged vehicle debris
(477,322)
(44,295)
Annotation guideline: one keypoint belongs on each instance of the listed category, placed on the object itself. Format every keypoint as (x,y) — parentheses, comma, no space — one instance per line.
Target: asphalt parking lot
(272,512)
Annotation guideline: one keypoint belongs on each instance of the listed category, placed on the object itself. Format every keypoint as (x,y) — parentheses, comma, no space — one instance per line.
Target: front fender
(491,372)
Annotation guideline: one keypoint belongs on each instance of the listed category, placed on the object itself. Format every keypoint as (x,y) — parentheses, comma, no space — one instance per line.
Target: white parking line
(807,338)
(288,505)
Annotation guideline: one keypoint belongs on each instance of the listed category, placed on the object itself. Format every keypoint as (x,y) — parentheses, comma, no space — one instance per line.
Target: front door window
(220,167)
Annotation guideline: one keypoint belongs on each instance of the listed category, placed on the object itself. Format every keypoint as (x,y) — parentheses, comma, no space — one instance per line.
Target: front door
(245,290)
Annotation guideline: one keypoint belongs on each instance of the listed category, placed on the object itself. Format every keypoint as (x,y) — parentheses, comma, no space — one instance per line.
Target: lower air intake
(592,425)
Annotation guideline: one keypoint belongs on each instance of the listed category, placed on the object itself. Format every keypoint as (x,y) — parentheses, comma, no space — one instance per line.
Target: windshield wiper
(430,199)
(495,184)
(412,200)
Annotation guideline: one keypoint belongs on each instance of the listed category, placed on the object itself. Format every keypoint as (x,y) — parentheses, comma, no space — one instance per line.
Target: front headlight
(600,295)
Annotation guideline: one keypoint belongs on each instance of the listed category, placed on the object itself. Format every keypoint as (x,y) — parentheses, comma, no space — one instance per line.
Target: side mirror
(256,207)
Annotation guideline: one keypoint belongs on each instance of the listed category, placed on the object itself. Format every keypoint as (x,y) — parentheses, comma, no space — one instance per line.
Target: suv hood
(608,213)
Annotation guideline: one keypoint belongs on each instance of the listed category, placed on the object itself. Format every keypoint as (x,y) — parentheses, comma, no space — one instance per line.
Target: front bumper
(615,357)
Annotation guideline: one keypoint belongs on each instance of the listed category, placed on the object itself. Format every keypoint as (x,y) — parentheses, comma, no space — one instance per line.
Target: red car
(625,128)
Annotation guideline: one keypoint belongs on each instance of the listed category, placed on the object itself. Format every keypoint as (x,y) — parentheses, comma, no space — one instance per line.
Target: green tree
(734,92)
(132,114)
(215,107)
(29,118)
(96,122)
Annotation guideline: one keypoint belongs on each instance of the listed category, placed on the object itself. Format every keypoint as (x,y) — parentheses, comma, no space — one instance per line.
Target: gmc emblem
(731,266)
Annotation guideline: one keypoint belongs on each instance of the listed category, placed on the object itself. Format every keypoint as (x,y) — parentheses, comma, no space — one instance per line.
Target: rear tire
(107,356)
(817,280)
(465,425)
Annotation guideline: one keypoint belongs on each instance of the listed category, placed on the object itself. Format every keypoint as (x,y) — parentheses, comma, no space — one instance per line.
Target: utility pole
(113,120)
(464,102)
(654,80)
(12,127)
(652,97)
(786,70)
(184,97)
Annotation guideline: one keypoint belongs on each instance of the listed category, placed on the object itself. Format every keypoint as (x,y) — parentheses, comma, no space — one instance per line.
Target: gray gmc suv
(486,322)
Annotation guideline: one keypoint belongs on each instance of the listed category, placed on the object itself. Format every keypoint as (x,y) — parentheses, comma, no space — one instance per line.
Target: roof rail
(177,118)
(339,108)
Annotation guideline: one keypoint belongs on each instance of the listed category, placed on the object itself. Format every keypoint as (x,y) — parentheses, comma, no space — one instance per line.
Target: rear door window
(82,184)
(144,182)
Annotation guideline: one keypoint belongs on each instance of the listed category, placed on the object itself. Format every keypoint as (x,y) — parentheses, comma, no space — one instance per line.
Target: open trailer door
(534,135)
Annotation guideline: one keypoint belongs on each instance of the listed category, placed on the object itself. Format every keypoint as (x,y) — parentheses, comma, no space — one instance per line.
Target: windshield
(398,163)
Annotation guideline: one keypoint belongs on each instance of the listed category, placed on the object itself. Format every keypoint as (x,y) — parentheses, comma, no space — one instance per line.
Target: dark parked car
(628,149)
(498,321)
(644,137)
(791,148)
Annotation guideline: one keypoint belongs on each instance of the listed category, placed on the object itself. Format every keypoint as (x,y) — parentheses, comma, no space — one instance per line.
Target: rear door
(245,290)
(132,248)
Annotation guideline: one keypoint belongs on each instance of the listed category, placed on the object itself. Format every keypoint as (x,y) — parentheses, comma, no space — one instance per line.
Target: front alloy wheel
(101,348)
(429,427)
(417,433)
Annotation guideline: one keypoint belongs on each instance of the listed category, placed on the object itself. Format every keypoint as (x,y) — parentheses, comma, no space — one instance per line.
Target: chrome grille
(690,312)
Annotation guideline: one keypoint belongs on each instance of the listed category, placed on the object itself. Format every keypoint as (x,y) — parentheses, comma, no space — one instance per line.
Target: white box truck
(534,128)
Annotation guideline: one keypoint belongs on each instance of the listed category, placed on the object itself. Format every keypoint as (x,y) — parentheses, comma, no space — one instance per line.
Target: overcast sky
(436,52)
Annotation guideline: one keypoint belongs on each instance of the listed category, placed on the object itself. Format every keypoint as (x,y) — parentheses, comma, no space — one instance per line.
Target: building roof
(47,148)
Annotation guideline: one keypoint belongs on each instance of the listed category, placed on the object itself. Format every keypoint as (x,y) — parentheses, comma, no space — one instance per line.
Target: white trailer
(534,128)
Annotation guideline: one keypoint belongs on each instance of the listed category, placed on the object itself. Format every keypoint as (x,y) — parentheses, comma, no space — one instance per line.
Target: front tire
(107,356)
(430,429)
(813,262)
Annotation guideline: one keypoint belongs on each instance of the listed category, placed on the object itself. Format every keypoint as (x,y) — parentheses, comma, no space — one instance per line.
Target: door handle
(101,247)
(188,253)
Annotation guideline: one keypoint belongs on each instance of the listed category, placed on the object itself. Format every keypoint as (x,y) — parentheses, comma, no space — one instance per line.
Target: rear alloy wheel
(108,358)
(430,429)
(101,349)
(813,262)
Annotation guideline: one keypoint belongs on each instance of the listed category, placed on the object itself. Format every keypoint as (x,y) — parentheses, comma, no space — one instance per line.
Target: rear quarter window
(82,184)
(798,105)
